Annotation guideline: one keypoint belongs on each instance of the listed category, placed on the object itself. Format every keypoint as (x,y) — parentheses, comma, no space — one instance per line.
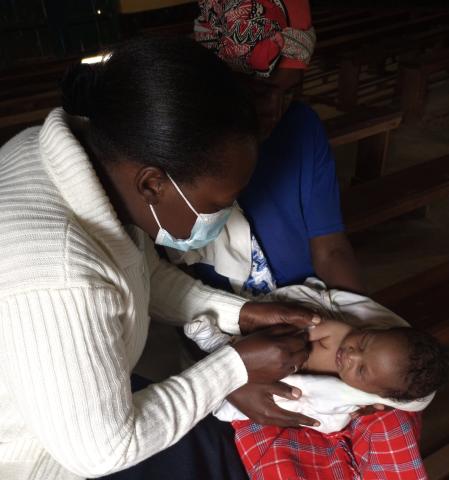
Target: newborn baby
(399,363)
(371,357)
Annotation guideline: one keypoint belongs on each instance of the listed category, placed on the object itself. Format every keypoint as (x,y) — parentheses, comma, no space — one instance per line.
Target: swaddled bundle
(331,399)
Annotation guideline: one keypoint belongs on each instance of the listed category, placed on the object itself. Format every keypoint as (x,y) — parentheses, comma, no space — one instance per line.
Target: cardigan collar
(74,176)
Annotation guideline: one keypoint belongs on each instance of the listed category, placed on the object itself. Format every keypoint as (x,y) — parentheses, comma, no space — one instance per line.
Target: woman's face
(274,95)
(140,186)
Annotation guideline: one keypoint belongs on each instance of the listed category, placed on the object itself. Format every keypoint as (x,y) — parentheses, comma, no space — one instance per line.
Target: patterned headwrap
(255,36)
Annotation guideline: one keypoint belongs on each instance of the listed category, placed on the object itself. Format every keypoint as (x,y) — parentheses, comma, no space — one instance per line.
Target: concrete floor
(387,253)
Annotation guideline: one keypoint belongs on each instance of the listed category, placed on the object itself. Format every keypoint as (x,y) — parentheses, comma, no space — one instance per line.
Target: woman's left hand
(255,315)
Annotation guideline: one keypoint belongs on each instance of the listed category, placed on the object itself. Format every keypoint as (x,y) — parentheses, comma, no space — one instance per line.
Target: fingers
(282,329)
(283,418)
(282,389)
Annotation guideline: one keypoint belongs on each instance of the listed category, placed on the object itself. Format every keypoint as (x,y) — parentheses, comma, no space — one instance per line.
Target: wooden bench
(371,128)
(351,41)
(414,80)
(384,198)
(422,301)
(351,63)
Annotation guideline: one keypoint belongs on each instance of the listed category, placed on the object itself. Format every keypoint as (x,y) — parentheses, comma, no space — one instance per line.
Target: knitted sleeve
(64,363)
(178,299)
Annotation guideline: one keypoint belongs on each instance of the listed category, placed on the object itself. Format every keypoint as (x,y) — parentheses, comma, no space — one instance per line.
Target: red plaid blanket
(383,446)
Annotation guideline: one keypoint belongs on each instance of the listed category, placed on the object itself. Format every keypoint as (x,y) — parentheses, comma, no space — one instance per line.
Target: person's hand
(369,410)
(273,353)
(256,402)
(256,315)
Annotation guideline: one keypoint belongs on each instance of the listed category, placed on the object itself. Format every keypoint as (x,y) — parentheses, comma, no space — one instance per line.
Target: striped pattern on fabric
(383,446)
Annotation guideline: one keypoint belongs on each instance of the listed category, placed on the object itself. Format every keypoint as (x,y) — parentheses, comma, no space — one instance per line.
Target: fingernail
(316,319)
(316,424)
(296,392)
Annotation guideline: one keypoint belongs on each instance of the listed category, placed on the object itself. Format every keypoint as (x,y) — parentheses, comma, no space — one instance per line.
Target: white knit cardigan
(76,292)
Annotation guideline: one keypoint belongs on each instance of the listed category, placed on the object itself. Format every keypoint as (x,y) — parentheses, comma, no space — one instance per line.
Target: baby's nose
(354,354)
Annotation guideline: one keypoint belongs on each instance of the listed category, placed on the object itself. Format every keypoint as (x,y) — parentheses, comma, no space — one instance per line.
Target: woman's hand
(256,315)
(273,353)
(256,402)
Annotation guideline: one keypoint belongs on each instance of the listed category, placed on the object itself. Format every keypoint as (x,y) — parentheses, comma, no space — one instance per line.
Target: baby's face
(372,361)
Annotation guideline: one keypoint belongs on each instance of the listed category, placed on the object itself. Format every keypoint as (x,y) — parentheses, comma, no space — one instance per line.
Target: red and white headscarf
(255,36)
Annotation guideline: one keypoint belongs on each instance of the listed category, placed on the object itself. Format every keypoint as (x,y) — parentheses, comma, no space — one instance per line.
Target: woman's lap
(207,452)
(383,446)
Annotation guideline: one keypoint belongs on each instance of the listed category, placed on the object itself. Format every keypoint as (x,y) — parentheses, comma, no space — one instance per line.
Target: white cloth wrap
(324,398)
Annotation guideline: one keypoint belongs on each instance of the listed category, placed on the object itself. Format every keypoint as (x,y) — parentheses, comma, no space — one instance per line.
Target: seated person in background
(292,205)
(349,367)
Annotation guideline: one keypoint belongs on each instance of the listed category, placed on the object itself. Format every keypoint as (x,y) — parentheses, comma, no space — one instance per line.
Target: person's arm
(178,299)
(332,255)
(64,363)
(335,263)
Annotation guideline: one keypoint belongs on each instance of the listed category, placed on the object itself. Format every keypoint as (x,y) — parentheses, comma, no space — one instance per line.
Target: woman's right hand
(273,353)
(256,402)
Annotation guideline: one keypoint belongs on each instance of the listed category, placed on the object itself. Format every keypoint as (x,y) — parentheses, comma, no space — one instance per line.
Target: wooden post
(371,157)
(348,82)
(414,89)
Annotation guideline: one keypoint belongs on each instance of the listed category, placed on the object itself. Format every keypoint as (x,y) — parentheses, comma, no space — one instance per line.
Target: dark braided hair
(161,101)
(427,368)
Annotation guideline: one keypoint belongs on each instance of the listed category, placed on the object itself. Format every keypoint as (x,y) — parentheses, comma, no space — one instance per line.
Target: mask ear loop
(155,216)
(182,195)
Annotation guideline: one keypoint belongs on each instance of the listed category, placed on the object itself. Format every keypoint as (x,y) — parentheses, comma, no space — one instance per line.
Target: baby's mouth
(339,358)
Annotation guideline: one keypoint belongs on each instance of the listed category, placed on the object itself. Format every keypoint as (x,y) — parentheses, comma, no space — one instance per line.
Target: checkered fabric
(382,446)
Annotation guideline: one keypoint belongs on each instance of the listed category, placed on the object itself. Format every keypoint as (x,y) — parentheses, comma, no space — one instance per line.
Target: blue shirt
(292,197)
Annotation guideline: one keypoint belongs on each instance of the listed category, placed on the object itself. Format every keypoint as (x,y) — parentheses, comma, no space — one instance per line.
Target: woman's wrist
(256,315)
(247,321)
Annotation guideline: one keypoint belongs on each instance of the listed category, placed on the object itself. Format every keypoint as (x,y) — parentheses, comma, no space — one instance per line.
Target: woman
(155,143)
(292,206)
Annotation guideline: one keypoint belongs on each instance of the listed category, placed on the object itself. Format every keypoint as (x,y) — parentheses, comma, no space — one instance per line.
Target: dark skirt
(207,452)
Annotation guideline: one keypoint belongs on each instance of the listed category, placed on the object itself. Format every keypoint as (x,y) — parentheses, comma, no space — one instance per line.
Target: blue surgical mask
(206,229)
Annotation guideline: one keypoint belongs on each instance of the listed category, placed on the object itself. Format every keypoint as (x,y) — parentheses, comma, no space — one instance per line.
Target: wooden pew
(422,301)
(378,200)
(364,23)
(349,41)
(414,80)
(351,63)
(371,128)
(347,50)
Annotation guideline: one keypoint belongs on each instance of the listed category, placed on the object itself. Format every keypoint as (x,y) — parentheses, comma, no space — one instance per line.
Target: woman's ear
(151,183)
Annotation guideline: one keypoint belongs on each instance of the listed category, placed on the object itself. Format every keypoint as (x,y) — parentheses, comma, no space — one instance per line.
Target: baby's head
(400,363)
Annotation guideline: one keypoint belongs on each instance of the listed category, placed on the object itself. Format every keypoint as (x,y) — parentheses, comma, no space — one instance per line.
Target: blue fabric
(292,197)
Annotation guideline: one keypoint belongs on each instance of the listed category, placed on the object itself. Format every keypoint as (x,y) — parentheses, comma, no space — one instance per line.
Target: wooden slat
(30,102)
(350,40)
(26,118)
(364,23)
(392,195)
(363,123)
(136,6)
(421,300)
